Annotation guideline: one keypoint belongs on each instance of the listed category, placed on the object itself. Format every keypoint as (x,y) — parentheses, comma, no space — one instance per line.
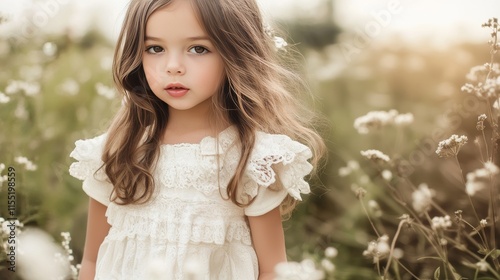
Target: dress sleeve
(88,154)
(276,169)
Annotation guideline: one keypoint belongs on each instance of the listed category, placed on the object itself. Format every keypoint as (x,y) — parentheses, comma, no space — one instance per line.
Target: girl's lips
(177,92)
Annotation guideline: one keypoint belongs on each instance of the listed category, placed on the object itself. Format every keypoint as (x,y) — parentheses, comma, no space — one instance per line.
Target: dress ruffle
(279,156)
(88,155)
(180,222)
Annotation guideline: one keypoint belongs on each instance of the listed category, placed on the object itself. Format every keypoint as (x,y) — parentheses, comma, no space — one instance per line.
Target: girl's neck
(189,126)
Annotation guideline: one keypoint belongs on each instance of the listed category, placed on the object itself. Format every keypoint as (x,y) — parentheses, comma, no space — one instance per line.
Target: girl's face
(182,66)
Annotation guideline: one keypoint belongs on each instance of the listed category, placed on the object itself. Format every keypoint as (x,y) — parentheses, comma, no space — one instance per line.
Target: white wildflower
(29,165)
(496,104)
(480,122)
(477,73)
(441,223)
(327,265)
(483,223)
(49,49)
(469,88)
(398,253)
(305,270)
(29,88)
(375,208)
(482,265)
(422,198)
(331,252)
(34,251)
(2,167)
(4,98)
(387,175)
(105,91)
(374,120)
(403,119)
(347,170)
(378,249)
(451,146)
(10,227)
(480,178)
(279,42)
(375,155)
(491,167)
(353,165)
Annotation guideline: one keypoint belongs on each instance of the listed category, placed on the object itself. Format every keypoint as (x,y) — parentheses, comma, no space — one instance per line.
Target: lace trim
(178,221)
(289,159)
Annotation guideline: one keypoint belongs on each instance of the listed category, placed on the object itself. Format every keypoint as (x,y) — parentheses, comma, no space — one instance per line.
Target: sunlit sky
(440,20)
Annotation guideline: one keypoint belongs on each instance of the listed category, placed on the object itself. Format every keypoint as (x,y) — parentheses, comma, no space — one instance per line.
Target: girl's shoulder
(88,153)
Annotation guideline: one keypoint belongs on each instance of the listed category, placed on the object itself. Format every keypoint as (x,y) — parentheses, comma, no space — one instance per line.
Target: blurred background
(357,56)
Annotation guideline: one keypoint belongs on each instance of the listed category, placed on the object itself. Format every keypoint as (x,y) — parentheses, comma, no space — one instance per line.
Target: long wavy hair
(258,94)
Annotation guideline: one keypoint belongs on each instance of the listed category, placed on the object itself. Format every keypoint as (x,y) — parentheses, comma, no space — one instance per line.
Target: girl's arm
(269,242)
(97,229)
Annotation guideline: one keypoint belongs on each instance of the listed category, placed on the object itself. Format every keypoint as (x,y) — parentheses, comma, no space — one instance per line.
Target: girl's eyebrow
(194,38)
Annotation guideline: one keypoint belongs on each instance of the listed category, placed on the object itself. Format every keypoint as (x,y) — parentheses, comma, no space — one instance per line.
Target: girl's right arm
(97,229)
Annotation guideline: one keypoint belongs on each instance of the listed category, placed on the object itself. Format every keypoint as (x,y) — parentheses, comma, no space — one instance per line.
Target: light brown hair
(257,95)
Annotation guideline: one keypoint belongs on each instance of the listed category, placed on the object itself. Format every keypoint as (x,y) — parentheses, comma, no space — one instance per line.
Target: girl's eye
(198,50)
(154,49)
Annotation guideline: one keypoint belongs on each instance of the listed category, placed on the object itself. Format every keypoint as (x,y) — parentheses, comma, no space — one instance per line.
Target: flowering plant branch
(437,234)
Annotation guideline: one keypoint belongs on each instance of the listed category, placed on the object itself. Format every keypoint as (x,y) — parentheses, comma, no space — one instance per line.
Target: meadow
(385,205)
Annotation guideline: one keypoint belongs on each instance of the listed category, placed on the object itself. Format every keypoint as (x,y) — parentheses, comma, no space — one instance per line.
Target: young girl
(204,156)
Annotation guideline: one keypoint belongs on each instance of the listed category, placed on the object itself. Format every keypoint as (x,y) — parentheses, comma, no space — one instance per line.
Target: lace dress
(187,228)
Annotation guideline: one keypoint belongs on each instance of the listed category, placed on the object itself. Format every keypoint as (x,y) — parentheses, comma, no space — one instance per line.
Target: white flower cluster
(4,98)
(376,120)
(279,42)
(4,177)
(29,88)
(305,270)
(75,269)
(374,208)
(105,91)
(441,223)
(480,122)
(375,155)
(29,165)
(484,81)
(351,166)
(482,265)
(451,146)
(39,257)
(480,178)
(6,226)
(378,249)
(422,198)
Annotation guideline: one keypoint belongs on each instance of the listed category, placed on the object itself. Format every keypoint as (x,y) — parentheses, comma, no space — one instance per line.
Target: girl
(199,163)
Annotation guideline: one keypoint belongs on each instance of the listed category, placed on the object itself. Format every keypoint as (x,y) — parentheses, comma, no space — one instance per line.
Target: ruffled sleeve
(275,169)
(88,154)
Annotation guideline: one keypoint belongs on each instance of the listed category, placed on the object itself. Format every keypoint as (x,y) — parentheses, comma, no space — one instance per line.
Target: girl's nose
(175,66)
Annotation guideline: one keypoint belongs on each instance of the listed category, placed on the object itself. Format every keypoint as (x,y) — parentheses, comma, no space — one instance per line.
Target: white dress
(187,230)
